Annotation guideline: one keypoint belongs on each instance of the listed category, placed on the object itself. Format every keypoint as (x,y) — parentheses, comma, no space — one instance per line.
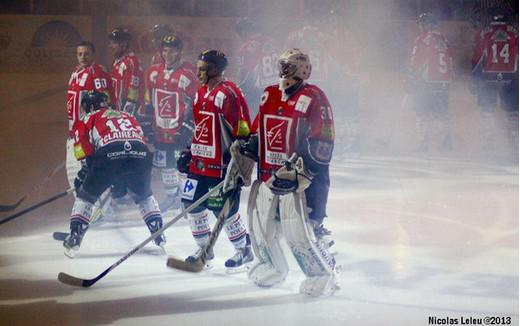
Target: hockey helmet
(159,31)
(215,58)
(427,20)
(93,101)
(294,66)
(119,35)
(171,41)
(498,15)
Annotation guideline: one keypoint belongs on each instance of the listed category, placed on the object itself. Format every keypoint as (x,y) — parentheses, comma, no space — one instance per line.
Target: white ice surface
(417,238)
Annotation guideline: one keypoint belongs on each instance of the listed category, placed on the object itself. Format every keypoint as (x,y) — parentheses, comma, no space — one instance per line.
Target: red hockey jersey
(127,80)
(496,49)
(82,80)
(258,57)
(432,59)
(221,116)
(282,124)
(104,127)
(171,93)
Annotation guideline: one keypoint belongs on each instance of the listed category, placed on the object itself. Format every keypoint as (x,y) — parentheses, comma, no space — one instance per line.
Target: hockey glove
(183,162)
(130,108)
(249,147)
(80,177)
(185,134)
(291,177)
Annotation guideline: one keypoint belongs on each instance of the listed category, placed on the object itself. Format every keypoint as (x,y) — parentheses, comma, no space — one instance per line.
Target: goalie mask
(294,66)
(93,101)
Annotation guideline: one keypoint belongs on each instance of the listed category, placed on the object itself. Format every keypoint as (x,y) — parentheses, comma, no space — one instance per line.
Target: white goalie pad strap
(82,210)
(72,165)
(314,260)
(170,177)
(149,207)
(265,236)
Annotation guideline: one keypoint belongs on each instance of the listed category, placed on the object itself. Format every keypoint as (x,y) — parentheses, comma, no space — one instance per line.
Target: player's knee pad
(199,225)
(313,258)
(82,210)
(265,236)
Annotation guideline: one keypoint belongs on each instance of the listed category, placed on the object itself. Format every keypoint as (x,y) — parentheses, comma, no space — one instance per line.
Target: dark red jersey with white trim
(496,49)
(171,93)
(283,124)
(432,59)
(127,80)
(82,80)
(221,115)
(104,127)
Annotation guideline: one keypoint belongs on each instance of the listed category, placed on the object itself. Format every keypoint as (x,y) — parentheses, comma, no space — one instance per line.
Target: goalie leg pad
(72,165)
(265,233)
(313,258)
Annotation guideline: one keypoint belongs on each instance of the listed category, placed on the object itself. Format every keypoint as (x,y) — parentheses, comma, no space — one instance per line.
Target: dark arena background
(422,236)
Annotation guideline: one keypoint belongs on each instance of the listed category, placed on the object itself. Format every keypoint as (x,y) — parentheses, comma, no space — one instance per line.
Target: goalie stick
(8,208)
(75,281)
(199,264)
(35,206)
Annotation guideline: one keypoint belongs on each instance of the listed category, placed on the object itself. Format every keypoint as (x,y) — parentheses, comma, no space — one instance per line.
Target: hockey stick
(75,281)
(35,206)
(199,264)
(7,208)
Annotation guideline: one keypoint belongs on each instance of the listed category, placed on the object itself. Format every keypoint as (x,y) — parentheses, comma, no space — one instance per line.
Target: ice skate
(73,241)
(155,223)
(242,259)
(193,258)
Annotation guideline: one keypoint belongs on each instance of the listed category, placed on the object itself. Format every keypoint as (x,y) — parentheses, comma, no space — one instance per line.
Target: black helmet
(159,31)
(93,101)
(498,15)
(172,41)
(427,19)
(216,58)
(119,34)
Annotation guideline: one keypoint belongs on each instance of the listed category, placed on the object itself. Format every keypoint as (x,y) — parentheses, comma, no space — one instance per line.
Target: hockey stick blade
(199,264)
(8,208)
(75,281)
(60,236)
(194,267)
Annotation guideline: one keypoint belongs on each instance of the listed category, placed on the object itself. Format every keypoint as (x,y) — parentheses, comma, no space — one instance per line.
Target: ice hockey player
(257,67)
(111,146)
(292,140)
(170,90)
(87,76)
(127,75)
(127,81)
(159,31)
(221,115)
(495,75)
(429,77)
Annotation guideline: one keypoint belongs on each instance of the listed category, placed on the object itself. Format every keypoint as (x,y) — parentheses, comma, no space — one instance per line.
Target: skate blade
(239,269)
(70,253)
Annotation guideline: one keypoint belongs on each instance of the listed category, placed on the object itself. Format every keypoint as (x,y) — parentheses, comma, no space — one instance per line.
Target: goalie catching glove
(291,177)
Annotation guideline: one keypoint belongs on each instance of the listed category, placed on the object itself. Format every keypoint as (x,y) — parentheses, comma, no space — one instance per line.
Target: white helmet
(294,66)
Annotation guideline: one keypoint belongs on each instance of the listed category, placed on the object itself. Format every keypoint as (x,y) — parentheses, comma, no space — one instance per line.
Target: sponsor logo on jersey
(303,103)
(167,115)
(189,188)
(276,138)
(204,137)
